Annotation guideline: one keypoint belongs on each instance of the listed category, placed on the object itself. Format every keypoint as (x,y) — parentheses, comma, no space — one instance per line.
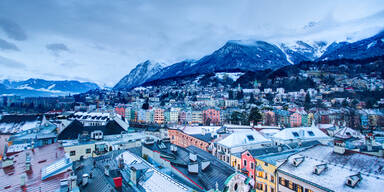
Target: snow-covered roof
(157,181)
(339,168)
(198,129)
(347,132)
(303,133)
(247,137)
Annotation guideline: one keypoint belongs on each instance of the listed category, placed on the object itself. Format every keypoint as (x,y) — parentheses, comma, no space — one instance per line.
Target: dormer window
(310,133)
(297,161)
(250,137)
(295,134)
(318,169)
(353,180)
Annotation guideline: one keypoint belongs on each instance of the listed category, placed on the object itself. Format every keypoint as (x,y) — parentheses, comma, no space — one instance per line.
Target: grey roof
(206,137)
(217,172)
(99,181)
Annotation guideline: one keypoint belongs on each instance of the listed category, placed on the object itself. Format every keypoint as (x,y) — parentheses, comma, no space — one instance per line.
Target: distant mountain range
(253,56)
(41,87)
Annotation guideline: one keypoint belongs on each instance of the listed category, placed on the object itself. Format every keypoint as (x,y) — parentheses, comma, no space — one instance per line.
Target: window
(251,165)
(295,134)
(173,137)
(72,153)
(311,133)
(299,188)
(250,137)
(266,164)
(87,151)
(260,174)
(245,162)
(272,189)
(272,179)
(308,190)
(290,185)
(281,181)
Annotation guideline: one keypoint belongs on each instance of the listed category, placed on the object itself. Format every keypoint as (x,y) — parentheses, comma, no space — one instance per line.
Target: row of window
(87,151)
(293,186)
(264,187)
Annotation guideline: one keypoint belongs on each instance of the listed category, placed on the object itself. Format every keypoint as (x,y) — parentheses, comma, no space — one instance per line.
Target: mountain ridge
(256,55)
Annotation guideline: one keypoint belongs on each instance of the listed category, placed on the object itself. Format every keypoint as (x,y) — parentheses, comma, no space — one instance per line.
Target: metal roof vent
(192,157)
(193,168)
(318,169)
(205,165)
(353,180)
(297,161)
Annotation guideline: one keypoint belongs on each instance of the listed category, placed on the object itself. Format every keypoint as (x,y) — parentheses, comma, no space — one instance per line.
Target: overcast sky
(101,41)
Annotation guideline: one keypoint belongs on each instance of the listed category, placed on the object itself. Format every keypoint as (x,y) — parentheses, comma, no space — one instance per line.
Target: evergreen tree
(146,104)
(254,115)
(307,102)
(240,95)
(230,94)
(252,99)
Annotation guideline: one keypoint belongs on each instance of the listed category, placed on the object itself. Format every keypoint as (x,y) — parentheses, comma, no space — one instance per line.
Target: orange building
(184,140)
(211,115)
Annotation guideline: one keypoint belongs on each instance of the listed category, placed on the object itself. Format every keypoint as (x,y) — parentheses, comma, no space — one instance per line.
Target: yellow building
(236,161)
(265,179)
(262,164)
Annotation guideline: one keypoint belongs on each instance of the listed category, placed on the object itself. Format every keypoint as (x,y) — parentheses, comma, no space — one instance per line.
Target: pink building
(120,110)
(295,120)
(248,163)
(158,116)
(211,115)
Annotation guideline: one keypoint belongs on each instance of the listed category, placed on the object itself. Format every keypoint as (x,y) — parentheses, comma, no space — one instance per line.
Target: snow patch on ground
(371,44)
(51,86)
(233,76)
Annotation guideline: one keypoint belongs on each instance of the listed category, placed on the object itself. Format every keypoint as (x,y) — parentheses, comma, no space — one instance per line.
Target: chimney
(85,179)
(106,170)
(121,163)
(174,148)
(27,162)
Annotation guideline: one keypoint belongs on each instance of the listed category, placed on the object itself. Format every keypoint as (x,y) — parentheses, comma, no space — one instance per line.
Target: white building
(240,141)
(320,169)
(300,134)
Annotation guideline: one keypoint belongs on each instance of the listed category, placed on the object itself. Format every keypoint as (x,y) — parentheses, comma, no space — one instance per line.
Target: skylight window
(295,134)
(250,137)
(311,133)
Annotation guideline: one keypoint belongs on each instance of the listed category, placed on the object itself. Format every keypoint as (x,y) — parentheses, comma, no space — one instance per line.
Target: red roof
(10,179)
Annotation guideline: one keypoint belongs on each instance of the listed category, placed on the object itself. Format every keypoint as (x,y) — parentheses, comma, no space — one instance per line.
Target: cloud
(109,45)
(12,30)
(5,45)
(57,48)
(9,63)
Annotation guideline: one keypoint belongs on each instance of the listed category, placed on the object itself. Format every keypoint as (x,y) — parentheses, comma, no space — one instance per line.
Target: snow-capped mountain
(234,56)
(41,87)
(249,55)
(303,51)
(369,47)
(139,75)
